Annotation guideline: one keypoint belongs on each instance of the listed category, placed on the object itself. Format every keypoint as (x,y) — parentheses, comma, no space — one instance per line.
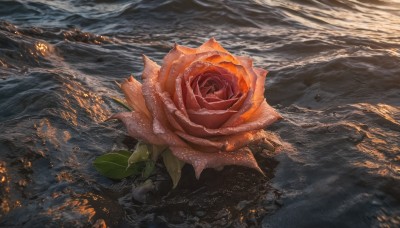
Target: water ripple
(333,74)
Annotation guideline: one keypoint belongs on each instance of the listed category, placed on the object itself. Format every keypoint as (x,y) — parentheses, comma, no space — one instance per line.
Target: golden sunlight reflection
(360,18)
(64,176)
(395,52)
(42,48)
(72,208)
(81,207)
(378,144)
(5,188)
(388,220)
(86,100)
(47,132)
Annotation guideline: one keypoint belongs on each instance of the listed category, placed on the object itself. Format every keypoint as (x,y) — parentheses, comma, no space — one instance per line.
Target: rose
(204,103)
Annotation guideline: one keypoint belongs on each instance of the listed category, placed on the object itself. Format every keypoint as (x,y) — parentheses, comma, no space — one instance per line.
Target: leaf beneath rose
(114,165)
(141,153)
(174,166)
(148,169)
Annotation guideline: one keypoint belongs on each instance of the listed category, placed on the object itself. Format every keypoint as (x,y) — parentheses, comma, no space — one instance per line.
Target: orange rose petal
(178,68)
(245,61)
(183,92)
(176,116)
(211,45)
(179,95)
(263,116)
(169,108)
(260,71)
(240,117)
(173,54)
(185,50)
(194,97)
(172,120)
(191,101)
(150,76)
(253,100)
(259,89)
(245,82)
(182,62)
(201,161)
(216,105)
(150,91)
(133,95)
(168,71)
(139,126)
(214,145)
(239,140)
(180,58)
(226,143)
(238,104)
(150,70)
(217,58)
(195,68)
(210,118)
(190,94)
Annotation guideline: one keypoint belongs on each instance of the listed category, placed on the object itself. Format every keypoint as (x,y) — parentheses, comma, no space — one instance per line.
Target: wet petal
(254,98)
(160,123)
(202,78)
(180,96)
(133,95)
(139,126)
(151,92)
(225,143)
(210,118)
(180,61)
(184,97)
(150,70)
(244,80)
(150,75)
(207,145)
(201,161)
(211,45)
(262,117)
(221,57)
(166,77)
(216,105)
(187,87)
(186,50)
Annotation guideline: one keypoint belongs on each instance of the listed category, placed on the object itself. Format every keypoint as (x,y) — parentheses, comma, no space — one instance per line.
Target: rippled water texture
(334,75)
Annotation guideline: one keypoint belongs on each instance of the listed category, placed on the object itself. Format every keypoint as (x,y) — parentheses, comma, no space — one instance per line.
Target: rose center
(213,85)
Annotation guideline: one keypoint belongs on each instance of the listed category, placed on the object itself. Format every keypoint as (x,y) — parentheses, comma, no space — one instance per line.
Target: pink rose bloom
(204,103)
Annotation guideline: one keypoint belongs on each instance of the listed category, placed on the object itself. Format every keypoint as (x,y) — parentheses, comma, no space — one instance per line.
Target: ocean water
(334,75)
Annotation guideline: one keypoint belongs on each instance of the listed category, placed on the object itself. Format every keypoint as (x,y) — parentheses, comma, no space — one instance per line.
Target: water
(334,76)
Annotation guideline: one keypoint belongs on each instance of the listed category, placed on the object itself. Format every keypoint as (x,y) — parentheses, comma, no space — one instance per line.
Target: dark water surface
(334,75)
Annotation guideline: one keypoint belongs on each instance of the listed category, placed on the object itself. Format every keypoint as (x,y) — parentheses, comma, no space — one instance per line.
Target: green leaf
(148,169)
(121,102)
(174,166)
(140,154)
(114,165)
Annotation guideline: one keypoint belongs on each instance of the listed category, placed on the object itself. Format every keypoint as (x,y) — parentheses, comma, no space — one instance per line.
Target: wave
(261,14)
